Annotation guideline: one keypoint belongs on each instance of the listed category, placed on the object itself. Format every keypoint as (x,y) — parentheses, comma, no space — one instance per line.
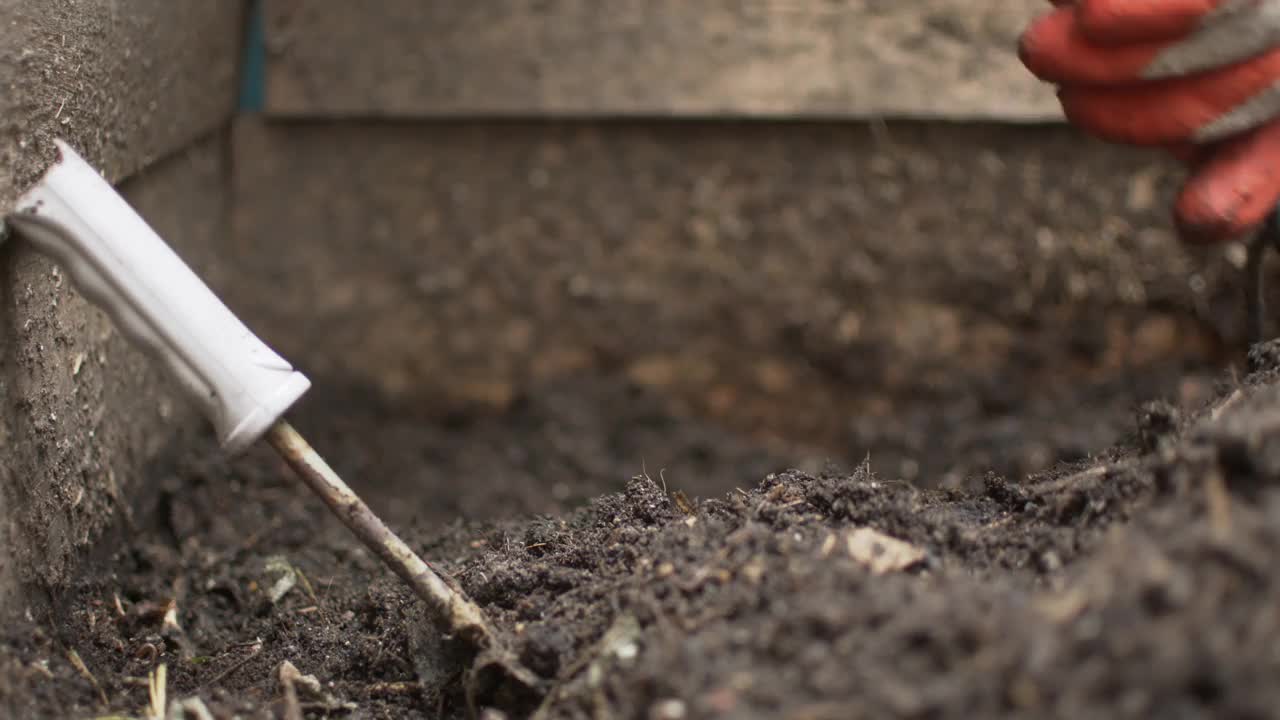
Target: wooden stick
(453,612)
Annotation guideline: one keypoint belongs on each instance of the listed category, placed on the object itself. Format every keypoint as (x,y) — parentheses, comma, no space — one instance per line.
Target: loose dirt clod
(1109,587)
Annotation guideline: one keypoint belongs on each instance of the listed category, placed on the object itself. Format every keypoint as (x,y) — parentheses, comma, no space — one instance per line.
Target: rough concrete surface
(864,273)
(126,84)
(86,410)
(848,58)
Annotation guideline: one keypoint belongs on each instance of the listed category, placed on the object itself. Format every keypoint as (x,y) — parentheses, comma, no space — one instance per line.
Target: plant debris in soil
(1138,583)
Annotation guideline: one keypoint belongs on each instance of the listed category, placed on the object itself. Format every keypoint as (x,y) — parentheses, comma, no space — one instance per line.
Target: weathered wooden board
(844,58)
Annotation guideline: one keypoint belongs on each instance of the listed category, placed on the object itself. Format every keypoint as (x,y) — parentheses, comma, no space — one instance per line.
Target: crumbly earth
(643,565)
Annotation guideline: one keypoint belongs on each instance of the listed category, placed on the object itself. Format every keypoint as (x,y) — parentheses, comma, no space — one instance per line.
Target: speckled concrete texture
(853,58)
(863,272)
(87,410)
(125,83)
(129,85)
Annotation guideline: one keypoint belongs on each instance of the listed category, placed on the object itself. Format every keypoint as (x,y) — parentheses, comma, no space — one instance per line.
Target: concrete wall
(144,91)
(720,199)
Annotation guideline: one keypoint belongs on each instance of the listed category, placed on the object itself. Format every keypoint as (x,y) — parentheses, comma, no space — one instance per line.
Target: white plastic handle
(120,264)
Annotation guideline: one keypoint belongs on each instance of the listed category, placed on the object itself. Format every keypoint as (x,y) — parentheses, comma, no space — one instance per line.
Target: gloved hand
(1200,78)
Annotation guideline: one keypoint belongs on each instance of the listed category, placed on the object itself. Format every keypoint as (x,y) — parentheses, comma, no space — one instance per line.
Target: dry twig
(83,669)
(254,649)
(288,674)
(454,614)
(157,687)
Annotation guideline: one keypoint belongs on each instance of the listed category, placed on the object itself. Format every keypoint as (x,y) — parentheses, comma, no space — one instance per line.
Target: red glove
(1200,78)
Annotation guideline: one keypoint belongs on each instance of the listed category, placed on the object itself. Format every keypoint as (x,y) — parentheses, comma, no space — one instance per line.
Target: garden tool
(119,263)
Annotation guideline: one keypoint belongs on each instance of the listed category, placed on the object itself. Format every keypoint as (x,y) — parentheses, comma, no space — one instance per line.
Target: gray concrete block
(129,85)
(863,58)
(125,83)
(86,410)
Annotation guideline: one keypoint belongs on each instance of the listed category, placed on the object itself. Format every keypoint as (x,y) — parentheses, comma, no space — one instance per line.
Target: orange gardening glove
(1200,78)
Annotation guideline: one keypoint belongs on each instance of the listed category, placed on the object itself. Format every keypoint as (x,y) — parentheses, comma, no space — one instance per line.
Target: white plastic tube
(120,264)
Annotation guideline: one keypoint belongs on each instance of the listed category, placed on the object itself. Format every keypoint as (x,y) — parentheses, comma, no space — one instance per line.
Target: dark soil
(645,565)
